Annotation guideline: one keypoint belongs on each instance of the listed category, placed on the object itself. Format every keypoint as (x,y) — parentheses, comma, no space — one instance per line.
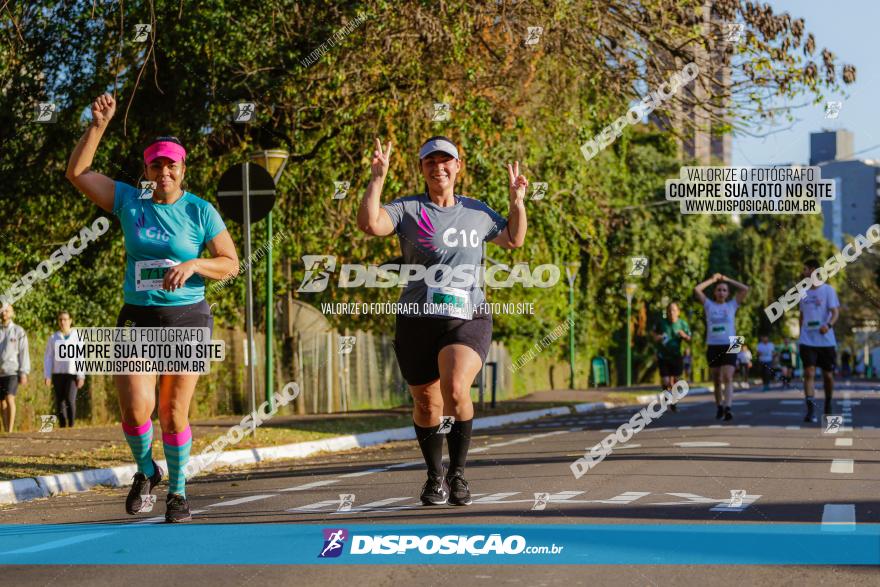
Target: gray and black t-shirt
(448,243)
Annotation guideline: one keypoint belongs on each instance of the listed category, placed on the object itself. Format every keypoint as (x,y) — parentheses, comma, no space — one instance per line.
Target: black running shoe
(719,413)
(177,509)
(459,494)
(141,487)
(435,491)
(728,415)
(811,413)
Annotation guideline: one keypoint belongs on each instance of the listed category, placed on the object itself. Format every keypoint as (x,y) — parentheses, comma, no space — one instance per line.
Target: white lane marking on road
(242,500)
(839,517)
(743,425)
(716,426)
(317,506)
(725,506)
(792,427)
(701,444)
(626,497)
(409,464)
(362,473)
(312,485)
(868,427)
(691,498)
(628,446)
(58,543)
(842,465)
(492,497)
(843,441)
(160,519)
(376,505)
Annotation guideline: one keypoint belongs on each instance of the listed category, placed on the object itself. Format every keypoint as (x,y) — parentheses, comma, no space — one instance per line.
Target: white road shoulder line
(843,442)
(362,473)
(312,485)
(242,500)
(839,517)
(842,465)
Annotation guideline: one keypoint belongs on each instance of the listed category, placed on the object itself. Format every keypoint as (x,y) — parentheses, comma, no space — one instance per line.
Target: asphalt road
(766,466)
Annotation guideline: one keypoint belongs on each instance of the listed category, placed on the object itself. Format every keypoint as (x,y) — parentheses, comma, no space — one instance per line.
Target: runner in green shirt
(668,334)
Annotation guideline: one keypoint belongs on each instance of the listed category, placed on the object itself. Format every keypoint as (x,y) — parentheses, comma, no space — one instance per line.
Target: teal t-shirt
(670,346)
(158,236)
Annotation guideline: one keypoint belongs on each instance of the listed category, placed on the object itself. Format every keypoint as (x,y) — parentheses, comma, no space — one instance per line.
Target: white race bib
(450,302)
(149,275)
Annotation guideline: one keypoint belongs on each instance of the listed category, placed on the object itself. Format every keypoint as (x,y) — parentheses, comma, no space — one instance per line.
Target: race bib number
(814,324)
(449,301)
(719,327)
(148,275)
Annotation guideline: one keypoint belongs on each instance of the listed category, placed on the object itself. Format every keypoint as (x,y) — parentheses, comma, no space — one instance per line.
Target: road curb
(20,490)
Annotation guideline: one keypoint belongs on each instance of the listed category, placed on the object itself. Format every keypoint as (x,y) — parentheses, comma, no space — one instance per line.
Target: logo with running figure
(736,343)
(334,541)
(318,269)
(446,423)
(833,423)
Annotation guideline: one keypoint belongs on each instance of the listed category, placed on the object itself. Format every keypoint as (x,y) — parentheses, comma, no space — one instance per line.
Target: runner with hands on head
(441,347)
(165,274)
(720,327)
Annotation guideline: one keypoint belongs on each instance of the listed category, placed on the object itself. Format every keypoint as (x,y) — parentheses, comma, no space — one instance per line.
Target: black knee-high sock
(431,444)
(459,441)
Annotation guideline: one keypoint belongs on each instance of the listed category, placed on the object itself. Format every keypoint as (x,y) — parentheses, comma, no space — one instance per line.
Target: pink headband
(168,149)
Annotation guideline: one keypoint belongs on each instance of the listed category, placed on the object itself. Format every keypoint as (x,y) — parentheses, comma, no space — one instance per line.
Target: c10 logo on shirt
(451,238)
(155,234)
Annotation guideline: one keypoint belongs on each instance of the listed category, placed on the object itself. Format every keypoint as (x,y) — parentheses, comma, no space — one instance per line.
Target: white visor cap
(435,145)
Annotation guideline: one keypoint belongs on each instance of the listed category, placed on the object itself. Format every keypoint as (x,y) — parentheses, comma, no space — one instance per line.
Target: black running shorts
(8,385)
(418,340)
(824,357)
(718,356)
(196,315)
(671,366)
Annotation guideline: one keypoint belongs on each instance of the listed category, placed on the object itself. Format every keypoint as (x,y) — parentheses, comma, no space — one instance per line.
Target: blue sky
(849,28)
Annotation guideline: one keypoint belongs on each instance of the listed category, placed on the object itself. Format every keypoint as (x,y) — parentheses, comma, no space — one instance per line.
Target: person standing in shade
(61,374)
(15,364)
(820,309)
(720,334)
(668,334)
(766,350)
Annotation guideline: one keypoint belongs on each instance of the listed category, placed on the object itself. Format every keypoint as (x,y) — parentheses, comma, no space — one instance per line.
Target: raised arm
(514,234)
(96,187)
(372,218)
(743,289)
(698,291)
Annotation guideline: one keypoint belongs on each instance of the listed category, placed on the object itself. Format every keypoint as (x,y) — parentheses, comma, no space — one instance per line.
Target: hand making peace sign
(518,183)
(381,161)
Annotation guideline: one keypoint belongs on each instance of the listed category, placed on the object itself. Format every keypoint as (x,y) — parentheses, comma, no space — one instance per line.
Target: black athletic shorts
(717,355)
(418,340)
(824,357)
(8,385)
(671,366)
(196,315)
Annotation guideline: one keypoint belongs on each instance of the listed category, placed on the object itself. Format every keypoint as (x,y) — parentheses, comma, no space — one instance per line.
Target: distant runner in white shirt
(819,311)
(61,374)
(720,332)
(766,351)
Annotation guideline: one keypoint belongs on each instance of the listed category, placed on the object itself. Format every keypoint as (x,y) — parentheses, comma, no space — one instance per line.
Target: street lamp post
(571,274)
(630,290)
(274,161)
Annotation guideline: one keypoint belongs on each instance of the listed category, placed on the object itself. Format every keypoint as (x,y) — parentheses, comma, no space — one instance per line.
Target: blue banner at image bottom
(585,544)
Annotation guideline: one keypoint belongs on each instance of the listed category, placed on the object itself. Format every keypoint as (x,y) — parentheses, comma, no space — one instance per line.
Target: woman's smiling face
(167,174)
(440,170)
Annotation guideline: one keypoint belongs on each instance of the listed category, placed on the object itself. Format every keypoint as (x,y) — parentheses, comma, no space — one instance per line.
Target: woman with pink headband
(166,229)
